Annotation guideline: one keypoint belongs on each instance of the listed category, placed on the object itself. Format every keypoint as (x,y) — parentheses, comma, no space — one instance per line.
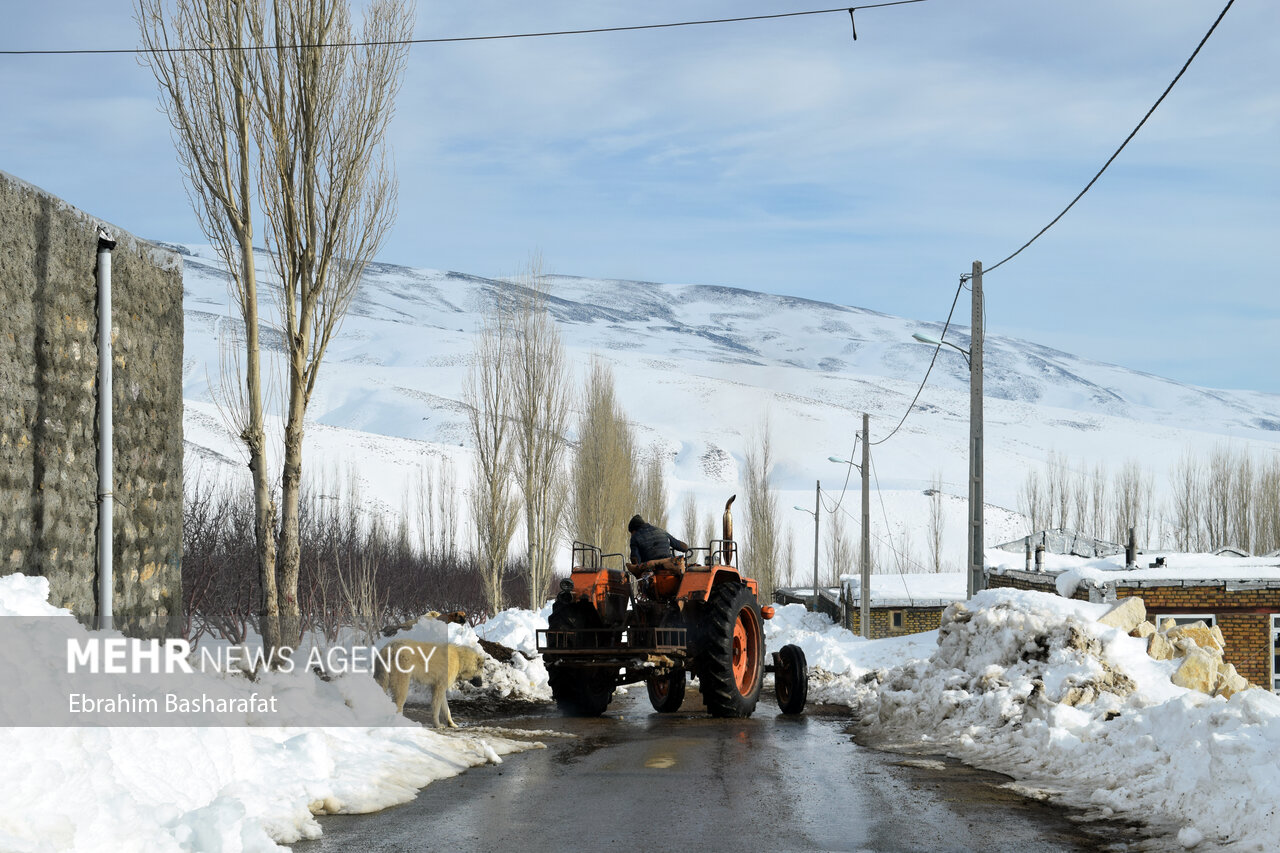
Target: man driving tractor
(649,542)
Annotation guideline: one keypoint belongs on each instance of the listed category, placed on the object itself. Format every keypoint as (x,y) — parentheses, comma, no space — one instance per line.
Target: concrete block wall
(48,411)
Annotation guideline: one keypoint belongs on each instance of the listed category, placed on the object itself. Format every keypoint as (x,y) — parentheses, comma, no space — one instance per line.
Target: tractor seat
(668,564)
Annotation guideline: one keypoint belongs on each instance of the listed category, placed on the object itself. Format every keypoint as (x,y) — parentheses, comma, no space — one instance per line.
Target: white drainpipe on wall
(106,462)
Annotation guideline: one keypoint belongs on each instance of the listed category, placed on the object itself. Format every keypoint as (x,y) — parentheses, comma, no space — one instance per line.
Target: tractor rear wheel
(579,691)
(666,692)
(730,662)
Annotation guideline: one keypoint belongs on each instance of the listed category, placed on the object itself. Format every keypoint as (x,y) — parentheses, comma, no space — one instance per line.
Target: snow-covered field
(699,369)
(988,688)
(223,789)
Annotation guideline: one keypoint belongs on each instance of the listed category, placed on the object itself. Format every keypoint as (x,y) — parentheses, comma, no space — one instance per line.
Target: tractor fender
(696,585)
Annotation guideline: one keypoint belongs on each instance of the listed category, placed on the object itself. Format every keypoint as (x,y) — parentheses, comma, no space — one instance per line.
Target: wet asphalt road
(638,780)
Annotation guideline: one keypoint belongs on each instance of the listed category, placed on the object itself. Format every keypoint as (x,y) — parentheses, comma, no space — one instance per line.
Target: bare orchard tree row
(355,571)
(1090,501)
(1226,497)
(528,467)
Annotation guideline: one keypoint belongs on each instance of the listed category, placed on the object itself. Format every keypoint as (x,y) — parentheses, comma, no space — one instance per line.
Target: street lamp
(973,357)
(926,339)
(817,509)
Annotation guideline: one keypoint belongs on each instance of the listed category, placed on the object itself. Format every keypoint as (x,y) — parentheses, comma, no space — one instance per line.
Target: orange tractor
(660,622)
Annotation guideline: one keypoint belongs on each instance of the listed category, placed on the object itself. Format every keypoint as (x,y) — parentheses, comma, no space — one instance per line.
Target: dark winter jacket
(653,543)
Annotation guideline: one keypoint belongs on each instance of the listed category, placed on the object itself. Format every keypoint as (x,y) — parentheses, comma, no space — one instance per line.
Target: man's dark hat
(635,524)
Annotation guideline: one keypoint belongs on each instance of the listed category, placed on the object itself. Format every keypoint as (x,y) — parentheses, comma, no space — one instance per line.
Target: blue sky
(783,156)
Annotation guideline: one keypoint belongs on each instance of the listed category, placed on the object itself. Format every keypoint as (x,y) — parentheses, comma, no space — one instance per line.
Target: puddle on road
(574,751)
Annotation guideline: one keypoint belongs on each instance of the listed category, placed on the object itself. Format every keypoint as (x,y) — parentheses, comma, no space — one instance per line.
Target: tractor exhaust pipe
(726,530)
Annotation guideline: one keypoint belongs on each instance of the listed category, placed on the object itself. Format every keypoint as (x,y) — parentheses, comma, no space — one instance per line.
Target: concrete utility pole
(817,512)
(976,554)
(864,612)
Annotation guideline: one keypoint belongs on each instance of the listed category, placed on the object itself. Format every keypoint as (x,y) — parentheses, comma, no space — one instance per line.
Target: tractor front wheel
(791,679)
(731,655)
(666,692)
(581,691)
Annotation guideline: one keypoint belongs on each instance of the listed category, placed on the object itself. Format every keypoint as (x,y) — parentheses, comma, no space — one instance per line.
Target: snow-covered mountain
(700,369)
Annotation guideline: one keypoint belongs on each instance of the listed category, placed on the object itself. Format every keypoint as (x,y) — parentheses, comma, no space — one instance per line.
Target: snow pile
(516,629)
(214,789)
(26,596)
(1032,685)
(521,679)
(838,659)
(525,678)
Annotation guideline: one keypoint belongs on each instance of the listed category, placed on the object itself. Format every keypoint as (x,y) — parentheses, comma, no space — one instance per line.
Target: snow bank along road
(635,779)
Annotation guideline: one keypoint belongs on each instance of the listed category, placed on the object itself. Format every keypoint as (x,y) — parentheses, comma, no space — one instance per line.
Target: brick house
(1239,595)
(901,603)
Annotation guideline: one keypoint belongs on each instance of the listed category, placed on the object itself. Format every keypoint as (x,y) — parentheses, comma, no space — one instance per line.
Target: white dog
(438,665)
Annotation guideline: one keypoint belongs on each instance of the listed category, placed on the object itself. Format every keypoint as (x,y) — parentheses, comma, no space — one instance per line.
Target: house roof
(1061,540)
(1178,569)
(909,590)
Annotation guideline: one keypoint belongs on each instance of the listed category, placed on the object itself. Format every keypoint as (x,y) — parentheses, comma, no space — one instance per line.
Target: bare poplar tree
(936,522)
(839,550)
(1218,497)
(1242,501)
(788,572)
(1098,502)
(1031,502)
(1131,497)
(762,551)
(494,508)
(689,521)
(1080,501)
(604,489)
(447,510)
(653,489)
(434,496)
(1058,494)
(425,498)
(1188,502)
(711,531)
(326,95)
(208,96)
(1266,508)
(902,560)
(538,372)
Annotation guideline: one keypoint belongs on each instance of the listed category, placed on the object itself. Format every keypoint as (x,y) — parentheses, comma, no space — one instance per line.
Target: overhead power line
(1132,134)
(449,40)
(964,278)
(929,370)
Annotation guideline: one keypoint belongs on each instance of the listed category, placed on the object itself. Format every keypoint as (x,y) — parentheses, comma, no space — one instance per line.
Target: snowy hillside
(699,369)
